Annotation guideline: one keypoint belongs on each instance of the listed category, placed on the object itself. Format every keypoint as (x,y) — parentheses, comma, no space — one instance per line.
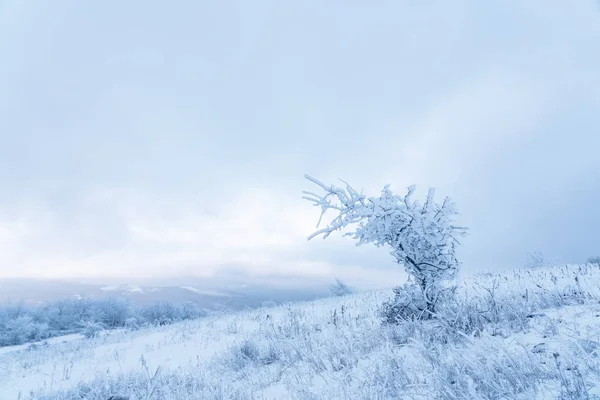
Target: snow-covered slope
(533,334)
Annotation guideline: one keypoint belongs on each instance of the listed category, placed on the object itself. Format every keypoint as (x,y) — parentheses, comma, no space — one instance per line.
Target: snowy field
(523,334)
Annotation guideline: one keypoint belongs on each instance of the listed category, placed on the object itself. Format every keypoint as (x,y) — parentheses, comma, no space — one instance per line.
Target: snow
(207,292)
(133,288)
(50,341)
(541,342)
(126,288)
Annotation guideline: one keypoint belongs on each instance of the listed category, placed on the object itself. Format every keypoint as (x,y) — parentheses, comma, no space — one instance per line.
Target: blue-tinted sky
(170,138)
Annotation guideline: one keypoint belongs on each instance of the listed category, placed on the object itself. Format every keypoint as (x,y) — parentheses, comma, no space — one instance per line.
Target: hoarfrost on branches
(339,288)
(422,237)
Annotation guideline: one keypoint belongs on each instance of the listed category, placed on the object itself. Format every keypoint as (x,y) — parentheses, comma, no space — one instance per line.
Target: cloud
(260,232)
(130,150)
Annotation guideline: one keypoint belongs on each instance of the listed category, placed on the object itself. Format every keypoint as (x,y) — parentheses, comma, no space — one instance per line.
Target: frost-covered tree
(537,259)
(21,329)
(189,310)
(112,311)
(422,237)
(91,329)
(20,324)
(339,288)
(65,314)
(161,313)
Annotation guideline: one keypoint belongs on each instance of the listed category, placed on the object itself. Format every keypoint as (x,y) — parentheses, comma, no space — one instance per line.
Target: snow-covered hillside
(523,334)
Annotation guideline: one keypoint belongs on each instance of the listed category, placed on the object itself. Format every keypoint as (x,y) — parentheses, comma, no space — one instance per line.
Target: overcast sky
(144,138)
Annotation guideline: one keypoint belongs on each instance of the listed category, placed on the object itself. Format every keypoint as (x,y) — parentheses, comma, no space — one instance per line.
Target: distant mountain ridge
(35,292)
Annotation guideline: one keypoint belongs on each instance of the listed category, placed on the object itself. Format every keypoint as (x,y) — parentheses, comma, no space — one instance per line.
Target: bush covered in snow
(91,329)
(594,260)
(339,288)
(21,329)
(537,259)
(20,324)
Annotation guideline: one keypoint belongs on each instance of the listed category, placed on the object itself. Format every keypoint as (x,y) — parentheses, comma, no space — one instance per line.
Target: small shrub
(339,288)
(594,260)
(537,259)
(91,329)
(161,313)
(132,324)
(190,310)
(251,352)
(113,312)
(408,304)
